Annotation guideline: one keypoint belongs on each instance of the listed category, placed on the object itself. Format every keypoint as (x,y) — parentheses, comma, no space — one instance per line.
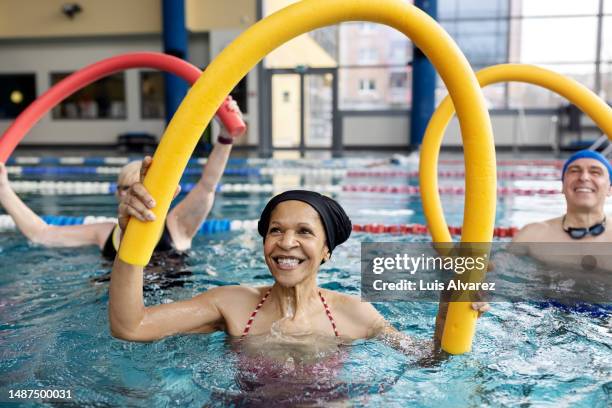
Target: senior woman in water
(300,229)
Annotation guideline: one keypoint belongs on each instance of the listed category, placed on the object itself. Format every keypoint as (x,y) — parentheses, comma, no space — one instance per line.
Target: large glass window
(459,9)
(606,81)
(484,42)
(104,99)
(525,96)
(606,45)
(375,88)
(531,8)
(374,68)
(373,60)
(17,91)
(550,40)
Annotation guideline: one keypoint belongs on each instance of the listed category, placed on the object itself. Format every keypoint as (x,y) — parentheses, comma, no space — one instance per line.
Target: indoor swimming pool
(53,304)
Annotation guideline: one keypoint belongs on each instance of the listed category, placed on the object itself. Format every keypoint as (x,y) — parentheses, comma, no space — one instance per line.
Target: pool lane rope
(254,161)
(298,171)
(212,226)
(105,188)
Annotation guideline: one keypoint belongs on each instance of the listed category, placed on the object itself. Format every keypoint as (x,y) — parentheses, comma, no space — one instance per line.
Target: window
(368,56)
(558,7)
(399,52)
(367,85)
(484,42)
(17,91)
(462,9)
(374,88)
(398,80)
(530,96)
(104,99)
(152,94)
(367,27)
(557,40)
(606,81)
(240,95)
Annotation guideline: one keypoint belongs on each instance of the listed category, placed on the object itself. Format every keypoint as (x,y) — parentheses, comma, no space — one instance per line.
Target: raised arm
(37,230)
(128,317)
(185,218)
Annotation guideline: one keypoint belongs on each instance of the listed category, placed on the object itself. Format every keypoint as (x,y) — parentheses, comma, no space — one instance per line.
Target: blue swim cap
(588,154)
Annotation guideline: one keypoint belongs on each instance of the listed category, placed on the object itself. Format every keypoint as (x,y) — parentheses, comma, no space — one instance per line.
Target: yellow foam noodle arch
(578,94)
(239,57)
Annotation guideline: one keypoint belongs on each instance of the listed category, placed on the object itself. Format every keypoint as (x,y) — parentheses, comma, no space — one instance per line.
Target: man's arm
(37,231)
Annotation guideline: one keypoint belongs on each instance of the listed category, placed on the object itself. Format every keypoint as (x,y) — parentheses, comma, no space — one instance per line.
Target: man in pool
(587,183)
(181,224)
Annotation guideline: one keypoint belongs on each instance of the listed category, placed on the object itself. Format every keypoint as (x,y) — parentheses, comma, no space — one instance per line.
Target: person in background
(181,225)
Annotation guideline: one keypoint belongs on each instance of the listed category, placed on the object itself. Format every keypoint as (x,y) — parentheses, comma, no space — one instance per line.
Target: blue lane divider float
(210,226)
(62,220)
(104,188)
(239,161)
(90,170)
(105,161)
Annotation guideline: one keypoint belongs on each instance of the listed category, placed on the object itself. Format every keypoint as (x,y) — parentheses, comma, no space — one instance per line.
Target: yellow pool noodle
(239,57)
(455,337)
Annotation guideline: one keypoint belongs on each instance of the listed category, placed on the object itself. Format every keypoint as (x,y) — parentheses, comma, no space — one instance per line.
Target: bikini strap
(329,315)
(263,299)
(252,317)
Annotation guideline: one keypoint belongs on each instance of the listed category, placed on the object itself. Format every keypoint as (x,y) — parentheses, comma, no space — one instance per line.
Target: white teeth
(584,190)
(288,261)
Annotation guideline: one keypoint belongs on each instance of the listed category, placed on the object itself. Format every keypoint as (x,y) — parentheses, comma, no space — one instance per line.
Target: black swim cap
(336,223)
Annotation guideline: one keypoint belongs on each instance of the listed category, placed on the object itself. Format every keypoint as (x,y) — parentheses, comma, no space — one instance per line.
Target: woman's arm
(185,219)
(128,317)
(36,230)
(130,320)
(187,216)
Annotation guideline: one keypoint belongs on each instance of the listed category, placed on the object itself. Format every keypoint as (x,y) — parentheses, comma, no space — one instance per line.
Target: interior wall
(208,15)
(44,18)
(69,54)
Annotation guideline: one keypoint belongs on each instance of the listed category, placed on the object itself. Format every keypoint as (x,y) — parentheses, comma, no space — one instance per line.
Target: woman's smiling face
(295,243)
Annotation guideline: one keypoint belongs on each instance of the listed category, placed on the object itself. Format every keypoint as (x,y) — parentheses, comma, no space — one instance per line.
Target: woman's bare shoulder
(350,304)
(235,293)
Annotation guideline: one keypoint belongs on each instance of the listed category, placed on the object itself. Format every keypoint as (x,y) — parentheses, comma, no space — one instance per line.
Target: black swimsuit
(112,243)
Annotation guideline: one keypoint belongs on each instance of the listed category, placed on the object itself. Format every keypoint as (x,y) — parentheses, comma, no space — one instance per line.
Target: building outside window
(557,34)
(367,86)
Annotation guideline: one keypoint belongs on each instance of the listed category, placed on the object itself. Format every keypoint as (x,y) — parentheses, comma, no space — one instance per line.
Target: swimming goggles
(578,233)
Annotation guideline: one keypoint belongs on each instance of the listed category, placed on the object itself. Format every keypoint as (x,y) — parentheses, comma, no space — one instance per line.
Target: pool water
(54,326)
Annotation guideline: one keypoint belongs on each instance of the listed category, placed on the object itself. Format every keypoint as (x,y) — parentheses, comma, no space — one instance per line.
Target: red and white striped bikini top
(263,299)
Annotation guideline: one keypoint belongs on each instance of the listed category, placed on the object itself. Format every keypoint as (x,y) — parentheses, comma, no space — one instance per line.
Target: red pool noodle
(91,73)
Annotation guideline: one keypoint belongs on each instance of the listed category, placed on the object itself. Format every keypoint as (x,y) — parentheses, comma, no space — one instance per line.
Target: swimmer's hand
(138,202)
(481,307)
(224,133)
